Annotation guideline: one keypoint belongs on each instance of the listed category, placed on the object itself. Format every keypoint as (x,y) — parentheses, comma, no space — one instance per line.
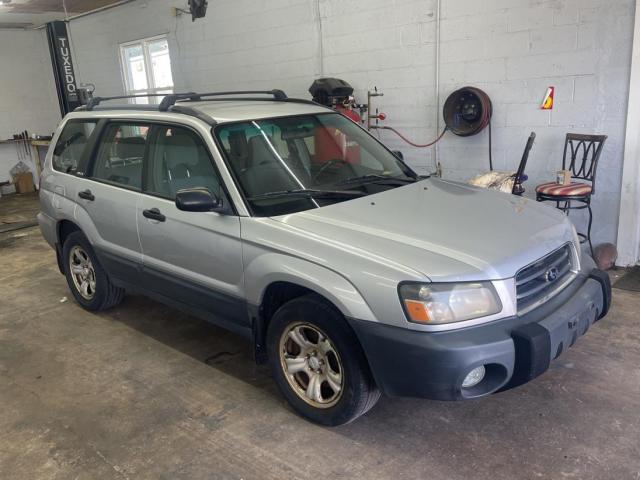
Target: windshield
(289,164)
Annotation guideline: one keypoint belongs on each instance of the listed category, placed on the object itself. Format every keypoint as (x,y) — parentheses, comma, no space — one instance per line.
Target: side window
(178,159)
(120,155)
(71,143)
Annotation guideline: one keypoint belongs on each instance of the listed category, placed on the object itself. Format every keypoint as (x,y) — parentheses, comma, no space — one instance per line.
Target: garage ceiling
(33,13)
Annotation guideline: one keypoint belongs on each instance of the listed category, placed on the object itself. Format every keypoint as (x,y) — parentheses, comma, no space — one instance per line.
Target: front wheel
(318,363)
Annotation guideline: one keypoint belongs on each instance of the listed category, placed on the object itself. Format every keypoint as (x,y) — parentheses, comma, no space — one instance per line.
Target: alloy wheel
(82,272)
(311,365)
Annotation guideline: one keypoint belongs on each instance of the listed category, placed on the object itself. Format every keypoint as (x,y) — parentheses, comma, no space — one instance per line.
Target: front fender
(268,268)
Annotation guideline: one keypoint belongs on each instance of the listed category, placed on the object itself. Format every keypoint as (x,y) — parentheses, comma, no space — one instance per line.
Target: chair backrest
(581,154)
(517,183)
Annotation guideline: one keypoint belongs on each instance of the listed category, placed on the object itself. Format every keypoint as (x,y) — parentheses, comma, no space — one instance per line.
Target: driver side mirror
(198,200)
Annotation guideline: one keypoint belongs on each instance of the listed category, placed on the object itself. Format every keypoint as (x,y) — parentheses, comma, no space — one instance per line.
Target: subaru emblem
(552,274)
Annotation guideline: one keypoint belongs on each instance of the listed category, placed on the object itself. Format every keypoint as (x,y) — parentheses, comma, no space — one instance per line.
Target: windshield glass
(289,164)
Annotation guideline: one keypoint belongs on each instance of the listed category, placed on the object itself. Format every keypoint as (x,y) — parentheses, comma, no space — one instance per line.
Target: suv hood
(445,230)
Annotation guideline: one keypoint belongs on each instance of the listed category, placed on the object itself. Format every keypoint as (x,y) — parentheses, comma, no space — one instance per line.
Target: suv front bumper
(513,350)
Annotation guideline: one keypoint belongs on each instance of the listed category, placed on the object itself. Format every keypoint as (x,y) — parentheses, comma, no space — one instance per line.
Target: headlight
(436,303)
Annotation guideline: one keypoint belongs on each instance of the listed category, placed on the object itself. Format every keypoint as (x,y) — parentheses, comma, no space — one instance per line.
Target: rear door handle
(154,214)
(87,195)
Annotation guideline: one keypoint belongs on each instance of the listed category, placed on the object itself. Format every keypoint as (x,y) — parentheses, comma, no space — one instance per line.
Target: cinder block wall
(513,49)
(28,95)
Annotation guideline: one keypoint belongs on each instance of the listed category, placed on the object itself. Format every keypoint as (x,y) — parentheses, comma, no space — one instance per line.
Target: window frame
(81,163)
(227,161)
(93,148)
(146,165)
(148,67)
(96,148)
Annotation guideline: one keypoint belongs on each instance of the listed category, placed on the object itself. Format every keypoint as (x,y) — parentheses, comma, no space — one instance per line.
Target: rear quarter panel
(58,191)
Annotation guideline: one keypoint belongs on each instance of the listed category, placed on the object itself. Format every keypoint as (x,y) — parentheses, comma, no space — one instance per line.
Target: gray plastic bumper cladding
(514,350)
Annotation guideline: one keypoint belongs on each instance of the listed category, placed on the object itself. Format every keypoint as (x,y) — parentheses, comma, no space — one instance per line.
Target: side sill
(210,317)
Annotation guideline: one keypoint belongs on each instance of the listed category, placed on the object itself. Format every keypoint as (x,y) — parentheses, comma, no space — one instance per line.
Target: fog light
(474,377)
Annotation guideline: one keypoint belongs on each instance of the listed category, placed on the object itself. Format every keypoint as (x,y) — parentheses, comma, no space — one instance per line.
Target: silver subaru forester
(286,222)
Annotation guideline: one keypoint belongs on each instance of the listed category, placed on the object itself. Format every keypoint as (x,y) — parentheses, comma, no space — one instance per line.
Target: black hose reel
(467,112)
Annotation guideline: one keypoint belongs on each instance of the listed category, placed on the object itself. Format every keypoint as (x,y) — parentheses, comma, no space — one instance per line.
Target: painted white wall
(629,225)
(514,49)
(28,99)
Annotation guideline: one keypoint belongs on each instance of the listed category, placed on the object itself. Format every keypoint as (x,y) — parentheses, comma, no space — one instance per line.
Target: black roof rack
(169,101)
(95,101)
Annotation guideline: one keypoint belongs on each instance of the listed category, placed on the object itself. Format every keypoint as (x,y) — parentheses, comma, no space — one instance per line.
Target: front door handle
(87,195)
(154,214)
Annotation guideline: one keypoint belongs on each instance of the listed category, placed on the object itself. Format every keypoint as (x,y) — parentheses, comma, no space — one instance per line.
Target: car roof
(237,110)
(214,110)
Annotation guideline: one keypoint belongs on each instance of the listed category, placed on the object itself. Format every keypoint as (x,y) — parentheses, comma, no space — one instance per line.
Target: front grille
(538,281)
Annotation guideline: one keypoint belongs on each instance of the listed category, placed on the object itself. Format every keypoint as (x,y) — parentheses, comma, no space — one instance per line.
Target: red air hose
(417,145)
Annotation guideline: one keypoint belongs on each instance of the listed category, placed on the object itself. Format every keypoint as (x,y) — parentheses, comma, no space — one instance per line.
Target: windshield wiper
(309,193)
(375,178)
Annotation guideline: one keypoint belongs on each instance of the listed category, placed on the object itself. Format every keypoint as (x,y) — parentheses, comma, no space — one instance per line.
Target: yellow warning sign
(547,103)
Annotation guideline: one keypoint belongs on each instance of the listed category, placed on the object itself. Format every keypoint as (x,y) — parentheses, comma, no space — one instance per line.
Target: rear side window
(121,153)
(179,159)
(71,144)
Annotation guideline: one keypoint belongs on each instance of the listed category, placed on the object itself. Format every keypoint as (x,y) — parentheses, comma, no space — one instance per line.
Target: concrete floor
(143,391)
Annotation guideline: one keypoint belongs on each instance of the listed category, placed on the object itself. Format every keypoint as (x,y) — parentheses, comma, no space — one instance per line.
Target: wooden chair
(581,155)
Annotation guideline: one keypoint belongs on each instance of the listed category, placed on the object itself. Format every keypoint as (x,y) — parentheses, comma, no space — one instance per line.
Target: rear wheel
(318,363)
(87,279)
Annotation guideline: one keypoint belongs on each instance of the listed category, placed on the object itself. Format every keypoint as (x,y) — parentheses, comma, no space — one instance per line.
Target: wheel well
(65,228)
(276,295)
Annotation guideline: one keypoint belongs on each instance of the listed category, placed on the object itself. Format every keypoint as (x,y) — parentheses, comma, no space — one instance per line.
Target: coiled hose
(417,145)
(466,112)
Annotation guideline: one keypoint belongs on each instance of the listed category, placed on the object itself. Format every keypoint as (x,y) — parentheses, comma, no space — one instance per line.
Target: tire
(309,327)
(101,293)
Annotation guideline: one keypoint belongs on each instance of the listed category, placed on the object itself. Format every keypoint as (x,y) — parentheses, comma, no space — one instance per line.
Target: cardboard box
(24,182)
(563,177)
